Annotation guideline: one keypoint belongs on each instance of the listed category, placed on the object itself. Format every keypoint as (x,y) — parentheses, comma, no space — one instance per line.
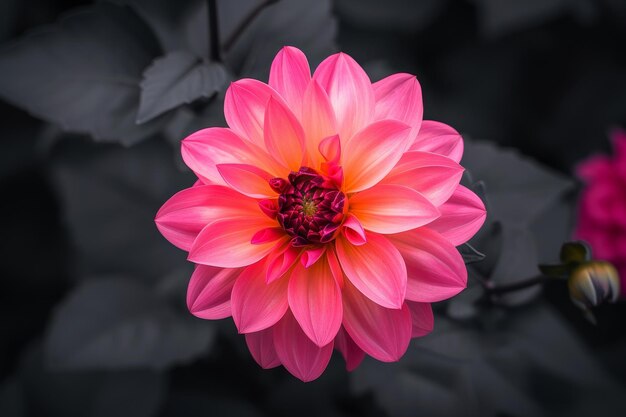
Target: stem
(214,33)
(501,289)
(245,23)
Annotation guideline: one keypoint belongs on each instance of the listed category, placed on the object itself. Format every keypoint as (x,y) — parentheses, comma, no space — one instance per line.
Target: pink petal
(290,75)
(461,216)
(261,346)
(227,243)
(435,268)
(375,268)
(315,301)
(284,137)
(309,257)
(372,153)
(208,293)
(301,357)
(244,108)
(330,149)
(187,212)
(353,230)
(382,333)
(389,208)
(399,97)
(207,148)
(247,179)
(352,354)
(422,317)
(280,260)
(318,119)
(432,175)
(257,305)
(350,92)
(271,234)
(437,137)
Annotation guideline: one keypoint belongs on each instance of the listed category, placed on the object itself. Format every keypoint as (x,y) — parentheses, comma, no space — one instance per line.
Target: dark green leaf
(83,72)
(575,252)
(118,324)
(470,254)
(175,79)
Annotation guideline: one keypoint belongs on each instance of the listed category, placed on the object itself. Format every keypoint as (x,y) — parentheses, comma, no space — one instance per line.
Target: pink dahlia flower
(325,216)
(602,206)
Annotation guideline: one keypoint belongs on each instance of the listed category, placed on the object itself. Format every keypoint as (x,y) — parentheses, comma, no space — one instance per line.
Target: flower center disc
(309,208)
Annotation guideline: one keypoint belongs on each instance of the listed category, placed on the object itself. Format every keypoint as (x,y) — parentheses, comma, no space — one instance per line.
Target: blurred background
(94,100)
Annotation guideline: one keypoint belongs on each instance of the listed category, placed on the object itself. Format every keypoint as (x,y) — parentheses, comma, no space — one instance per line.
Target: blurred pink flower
(326,216)
(602,205)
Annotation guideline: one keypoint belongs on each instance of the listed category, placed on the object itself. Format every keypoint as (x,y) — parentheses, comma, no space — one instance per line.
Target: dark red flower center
(309,208)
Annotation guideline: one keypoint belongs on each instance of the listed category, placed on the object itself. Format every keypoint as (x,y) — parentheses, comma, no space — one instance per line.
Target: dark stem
(245,23)
(214,33)
(501,289)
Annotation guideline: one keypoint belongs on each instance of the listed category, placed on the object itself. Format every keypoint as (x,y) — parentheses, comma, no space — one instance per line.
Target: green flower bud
(593,283)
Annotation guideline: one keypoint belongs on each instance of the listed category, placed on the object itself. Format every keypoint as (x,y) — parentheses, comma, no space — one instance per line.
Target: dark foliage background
(94,100)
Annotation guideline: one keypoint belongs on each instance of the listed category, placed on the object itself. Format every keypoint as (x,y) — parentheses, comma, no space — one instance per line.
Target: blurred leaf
(499,17)
(307,25)
(202,405)
(83,72)
(9,10)
(177,78)
(524,363)
(470,254)
(12,402)
(110,196)
(118,324)
(519,189)
(521,194)
(396,15)
(133,393)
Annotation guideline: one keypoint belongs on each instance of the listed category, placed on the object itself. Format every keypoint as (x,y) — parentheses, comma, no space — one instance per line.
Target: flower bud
(593,283)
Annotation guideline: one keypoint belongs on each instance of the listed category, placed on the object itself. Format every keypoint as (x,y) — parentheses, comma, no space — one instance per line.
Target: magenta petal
(247,179)
(399,97)
(437,137)
(432,175)
(422,317)
(207,148)
(315,301)
(284,137)
(298,354)
(257,305)
(382,333)
(435,268)
(461,216)
(280,260)
(352,354)
(350,92)
(310,256)
(353,231)
(290,75)
(208,293)
(227,243)
(372,153)
(244,108)
(187,212)
(261,346)
(391,208)
(375,268)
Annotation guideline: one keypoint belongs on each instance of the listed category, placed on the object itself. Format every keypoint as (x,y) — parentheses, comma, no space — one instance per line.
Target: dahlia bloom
(325,216)
(602,206)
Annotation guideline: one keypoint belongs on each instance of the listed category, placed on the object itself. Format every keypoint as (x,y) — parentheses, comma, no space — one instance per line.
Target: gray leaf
(175,79)
(83,72)
(129,393)
(110,195)
(118,324)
